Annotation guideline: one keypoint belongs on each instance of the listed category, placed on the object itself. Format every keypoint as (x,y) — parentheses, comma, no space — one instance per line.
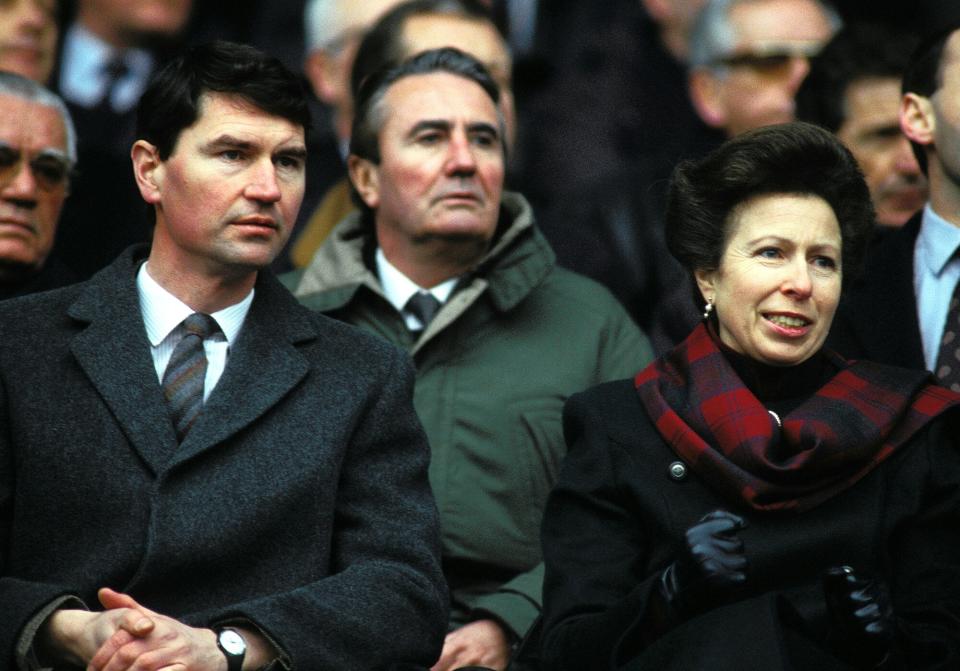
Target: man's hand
(168,644)
(481,643)
(74,636)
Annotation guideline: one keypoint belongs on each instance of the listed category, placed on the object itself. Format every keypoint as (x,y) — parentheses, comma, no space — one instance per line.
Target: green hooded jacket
(494,368)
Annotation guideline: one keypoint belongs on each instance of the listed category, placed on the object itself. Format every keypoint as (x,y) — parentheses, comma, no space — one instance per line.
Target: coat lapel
(262,368)
(114,352)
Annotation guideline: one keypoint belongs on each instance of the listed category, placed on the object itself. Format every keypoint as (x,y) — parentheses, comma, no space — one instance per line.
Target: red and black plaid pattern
(724,433)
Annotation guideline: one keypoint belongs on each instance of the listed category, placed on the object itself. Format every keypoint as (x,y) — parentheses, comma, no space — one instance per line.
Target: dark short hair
(172,99)
(924,75)
(368,117)
(859,51)
(382,46)
(793,158)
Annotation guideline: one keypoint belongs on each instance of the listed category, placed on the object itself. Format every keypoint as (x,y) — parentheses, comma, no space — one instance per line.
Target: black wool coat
(298,501)
(617,518)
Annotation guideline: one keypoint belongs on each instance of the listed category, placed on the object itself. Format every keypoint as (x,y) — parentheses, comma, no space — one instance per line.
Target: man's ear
(365,176)
(706,283)
(917,119)
(147,170)
(707,95)
(319,68)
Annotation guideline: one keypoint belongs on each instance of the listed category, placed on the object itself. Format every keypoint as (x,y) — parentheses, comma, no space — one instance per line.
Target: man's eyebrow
(429,124)
(483,127)
(295,151)
(228,142)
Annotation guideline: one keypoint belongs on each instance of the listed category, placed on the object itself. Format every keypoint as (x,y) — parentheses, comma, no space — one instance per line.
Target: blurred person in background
(37,154)
(110,48)
(853,90)
(28,37)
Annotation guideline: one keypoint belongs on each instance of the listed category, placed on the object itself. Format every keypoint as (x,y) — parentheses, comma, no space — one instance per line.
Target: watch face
(232,642)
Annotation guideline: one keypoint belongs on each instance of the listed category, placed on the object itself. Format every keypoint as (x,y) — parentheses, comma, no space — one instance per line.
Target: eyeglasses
(769,59)
(50,170)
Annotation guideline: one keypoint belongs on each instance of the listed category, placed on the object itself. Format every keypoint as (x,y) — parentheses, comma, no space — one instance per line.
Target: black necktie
(114,70)
(183,379)
(423,305)
(947,369)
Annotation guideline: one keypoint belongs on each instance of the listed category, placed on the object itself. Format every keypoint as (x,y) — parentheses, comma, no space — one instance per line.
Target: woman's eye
(769,253)
(825,262)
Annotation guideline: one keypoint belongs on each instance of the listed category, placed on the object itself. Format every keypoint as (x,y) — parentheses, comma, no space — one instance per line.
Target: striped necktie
(183,379)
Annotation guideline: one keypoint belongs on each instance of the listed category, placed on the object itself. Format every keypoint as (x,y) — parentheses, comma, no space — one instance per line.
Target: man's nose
(19,183)
(264,185)
(906,162)
(461,158)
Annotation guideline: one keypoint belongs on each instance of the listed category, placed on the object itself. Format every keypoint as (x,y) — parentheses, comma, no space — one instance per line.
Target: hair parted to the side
(172,100)
(369,112)
(794,158)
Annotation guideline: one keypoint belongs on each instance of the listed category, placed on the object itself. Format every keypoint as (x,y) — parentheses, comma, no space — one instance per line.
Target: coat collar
(113,350)
(519,260)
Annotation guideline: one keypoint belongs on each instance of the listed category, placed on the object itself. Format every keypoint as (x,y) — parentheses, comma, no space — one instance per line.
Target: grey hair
(322,24)
(25,89)
(713,37)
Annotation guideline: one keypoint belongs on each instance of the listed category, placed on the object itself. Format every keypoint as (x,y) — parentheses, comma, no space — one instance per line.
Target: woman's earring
(707,309)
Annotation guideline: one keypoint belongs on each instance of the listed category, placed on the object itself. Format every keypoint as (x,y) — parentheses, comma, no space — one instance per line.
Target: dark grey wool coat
(299,500)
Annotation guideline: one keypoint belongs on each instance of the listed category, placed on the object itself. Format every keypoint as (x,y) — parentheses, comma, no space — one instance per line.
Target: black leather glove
(861,617)
(710,564)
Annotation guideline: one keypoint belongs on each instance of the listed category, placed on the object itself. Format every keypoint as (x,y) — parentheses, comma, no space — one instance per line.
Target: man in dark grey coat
(247,493)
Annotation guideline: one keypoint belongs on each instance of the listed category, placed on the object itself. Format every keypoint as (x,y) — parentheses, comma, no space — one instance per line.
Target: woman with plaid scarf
(751,500)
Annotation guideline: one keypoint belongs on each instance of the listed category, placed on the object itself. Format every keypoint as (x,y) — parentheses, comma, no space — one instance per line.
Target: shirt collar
(398,288)
(938,240)
(163,312)
(83,78)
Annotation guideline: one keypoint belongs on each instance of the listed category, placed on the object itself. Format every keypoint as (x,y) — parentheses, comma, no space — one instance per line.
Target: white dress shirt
(936,271)
(398,288)
(162,314)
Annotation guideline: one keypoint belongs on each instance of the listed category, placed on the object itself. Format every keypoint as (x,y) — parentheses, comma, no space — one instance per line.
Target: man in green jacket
(444,263)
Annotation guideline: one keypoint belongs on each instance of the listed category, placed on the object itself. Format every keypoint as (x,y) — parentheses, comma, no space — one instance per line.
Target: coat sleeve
(385,600)
(22,602)
(593,545)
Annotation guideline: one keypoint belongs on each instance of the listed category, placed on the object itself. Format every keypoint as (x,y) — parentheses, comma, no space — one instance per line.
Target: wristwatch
(233,647)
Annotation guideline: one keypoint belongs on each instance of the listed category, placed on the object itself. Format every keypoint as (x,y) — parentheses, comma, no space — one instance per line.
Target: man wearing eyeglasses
(749,57)
(37,153)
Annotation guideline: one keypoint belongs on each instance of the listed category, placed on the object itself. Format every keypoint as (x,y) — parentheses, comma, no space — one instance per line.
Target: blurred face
(778,284)
(441,170)
(125,23)
(871,131)
(33,185)
(329,69)
(774,40)
(480,39)
(28,37)
(227,196)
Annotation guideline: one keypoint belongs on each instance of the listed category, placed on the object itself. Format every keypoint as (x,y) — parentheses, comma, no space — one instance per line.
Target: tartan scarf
(856,420)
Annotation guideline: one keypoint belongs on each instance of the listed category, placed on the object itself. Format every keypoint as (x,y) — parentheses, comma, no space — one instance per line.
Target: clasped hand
(861,616)
(130,637)
(711,562)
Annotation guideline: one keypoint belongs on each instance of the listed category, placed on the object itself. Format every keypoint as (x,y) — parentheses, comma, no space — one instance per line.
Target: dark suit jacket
(877,318)
(299,500)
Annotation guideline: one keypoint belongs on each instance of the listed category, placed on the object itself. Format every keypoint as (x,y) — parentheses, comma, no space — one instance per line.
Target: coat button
(678,470)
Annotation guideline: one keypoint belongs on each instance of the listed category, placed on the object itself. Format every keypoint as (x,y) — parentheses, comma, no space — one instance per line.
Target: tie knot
(200,324)
(423,305)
